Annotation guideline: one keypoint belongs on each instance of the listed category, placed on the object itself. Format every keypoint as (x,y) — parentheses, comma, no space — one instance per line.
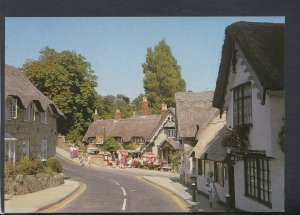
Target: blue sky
(116,47)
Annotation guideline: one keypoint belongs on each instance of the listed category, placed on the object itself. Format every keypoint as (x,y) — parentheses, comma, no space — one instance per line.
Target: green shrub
(48,170)
(26,166)
(54,164)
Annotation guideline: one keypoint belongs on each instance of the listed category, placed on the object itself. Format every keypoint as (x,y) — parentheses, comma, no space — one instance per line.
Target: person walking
(124,159)
(113,158)
(211,188)
(89,161)
(120,160)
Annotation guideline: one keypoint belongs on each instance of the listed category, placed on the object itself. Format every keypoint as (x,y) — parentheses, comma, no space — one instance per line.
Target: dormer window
(242,105)
(29,113)
(44,117)
(118,139)
(11,108)
(137,140)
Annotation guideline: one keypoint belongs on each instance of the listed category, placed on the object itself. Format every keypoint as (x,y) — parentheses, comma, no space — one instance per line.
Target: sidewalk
(173,185)
(166,180)
(33,202)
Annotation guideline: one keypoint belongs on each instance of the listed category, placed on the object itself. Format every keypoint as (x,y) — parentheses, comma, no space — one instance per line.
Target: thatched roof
(135,126)
(210,140)
(18,86)
(263,46)
(192,110)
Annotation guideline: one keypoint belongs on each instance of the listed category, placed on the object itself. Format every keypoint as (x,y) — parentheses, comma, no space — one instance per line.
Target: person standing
(89,161)
(124,158)
(113,158)
(120,159)
(211,188)
(71,152)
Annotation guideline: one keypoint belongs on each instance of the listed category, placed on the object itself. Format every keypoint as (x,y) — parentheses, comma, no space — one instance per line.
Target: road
(115,191)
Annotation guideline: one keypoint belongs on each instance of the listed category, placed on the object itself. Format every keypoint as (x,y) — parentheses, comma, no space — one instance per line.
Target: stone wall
(32,183)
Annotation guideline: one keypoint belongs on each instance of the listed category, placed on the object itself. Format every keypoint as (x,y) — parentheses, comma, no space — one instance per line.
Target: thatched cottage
(30,119)
(147,131)
(250,88)
(194,111)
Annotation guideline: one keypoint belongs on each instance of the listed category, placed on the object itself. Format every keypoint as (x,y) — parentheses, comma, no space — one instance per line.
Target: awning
(9,137)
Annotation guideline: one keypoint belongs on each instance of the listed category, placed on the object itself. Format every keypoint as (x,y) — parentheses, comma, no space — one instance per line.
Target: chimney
(117,114)
(163,108)
(95,116)
(145,108)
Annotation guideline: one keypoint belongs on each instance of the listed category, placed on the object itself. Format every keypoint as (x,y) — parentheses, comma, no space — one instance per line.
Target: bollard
(194,191)
(227,202)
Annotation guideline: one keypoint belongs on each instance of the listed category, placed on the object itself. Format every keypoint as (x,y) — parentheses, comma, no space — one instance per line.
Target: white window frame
(11,108)
(44,117)
(25,147)
(10,151)
(171,132)
(33,110)
(44,150)
(27,114)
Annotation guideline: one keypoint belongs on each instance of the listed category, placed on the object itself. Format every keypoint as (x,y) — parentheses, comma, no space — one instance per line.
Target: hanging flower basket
(236,138)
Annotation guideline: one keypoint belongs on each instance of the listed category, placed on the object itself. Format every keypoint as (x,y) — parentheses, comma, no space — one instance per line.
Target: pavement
(41,201)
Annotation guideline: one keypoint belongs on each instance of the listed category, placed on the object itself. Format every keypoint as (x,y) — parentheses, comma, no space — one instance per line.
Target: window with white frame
(25,144)
(33,110)
(218,173)
(258,178)
(171,132)
(11,108)
(137,140)
(44,117)
(10,147)
(44,150)
(242,105)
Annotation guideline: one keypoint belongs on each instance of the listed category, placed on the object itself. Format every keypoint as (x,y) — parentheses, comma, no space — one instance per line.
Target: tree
(136,104)
(174,158)
(111,145)
(162,76)
(68,80)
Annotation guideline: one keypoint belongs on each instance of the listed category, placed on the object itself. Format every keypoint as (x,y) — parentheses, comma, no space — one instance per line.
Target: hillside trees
(162,77)
(68,80)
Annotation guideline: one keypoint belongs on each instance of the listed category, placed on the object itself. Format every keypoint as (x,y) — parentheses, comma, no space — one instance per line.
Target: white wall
(267,121)
(161,137)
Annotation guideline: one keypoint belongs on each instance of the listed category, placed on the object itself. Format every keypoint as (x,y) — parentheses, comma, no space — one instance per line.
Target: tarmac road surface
(115,191)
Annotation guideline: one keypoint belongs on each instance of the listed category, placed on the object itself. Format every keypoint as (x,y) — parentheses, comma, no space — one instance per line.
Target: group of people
(73,152)
(122,158)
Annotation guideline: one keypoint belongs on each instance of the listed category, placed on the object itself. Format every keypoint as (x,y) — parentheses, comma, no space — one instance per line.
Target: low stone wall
(32,183)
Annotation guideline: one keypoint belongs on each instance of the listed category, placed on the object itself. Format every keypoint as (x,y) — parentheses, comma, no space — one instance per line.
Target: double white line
(124,193)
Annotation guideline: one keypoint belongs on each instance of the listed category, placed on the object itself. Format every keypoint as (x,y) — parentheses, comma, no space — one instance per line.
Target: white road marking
(123,191)
(70,169)
(124,205)
(115,182)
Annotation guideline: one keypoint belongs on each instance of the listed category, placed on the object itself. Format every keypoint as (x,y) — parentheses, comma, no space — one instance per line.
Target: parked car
(93,150)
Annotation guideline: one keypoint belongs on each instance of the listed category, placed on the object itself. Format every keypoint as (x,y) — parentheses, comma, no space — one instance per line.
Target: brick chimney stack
(117,114)
(145,108)
(163,108)
(95,116)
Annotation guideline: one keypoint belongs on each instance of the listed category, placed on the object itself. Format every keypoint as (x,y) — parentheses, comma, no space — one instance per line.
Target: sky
(116,47)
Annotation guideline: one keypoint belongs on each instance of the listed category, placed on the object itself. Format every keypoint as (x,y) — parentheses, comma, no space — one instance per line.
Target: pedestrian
(124,158)
(71,152)
(81,160)
(120,160)
(113,158)
(89,161)
(211,188)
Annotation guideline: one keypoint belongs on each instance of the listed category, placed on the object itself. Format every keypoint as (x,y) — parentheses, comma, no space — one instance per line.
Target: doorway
(231,186)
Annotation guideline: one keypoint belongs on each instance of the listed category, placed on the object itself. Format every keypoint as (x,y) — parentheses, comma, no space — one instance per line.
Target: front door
(231,186)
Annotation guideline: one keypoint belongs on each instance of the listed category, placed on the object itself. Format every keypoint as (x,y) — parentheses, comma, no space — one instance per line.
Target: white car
(93,150)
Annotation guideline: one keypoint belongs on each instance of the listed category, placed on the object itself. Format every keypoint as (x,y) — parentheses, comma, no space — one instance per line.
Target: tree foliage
(111,145)
(162,76)
(68,80)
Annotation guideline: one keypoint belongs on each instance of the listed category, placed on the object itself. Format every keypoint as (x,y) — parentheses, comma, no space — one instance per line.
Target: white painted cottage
(250,88)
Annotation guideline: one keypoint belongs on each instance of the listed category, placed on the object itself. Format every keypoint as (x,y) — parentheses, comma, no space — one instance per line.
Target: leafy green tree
(136,103)
(67,79)
(110,145)
(130,146)
(162,77)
